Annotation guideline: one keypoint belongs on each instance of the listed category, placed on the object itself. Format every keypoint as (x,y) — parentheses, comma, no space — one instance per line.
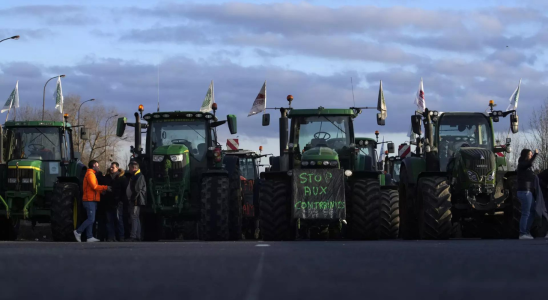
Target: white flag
(514,99)
(58,95)
(13,100)
(419,99)
(381,104)
(381,156)
(209,99)
(259,105)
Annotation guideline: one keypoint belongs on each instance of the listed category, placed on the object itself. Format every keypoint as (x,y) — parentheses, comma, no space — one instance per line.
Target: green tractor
(455,183)
(42,178)
(367,158)
(392,166)
(316,186)
(189,182)
(250,162)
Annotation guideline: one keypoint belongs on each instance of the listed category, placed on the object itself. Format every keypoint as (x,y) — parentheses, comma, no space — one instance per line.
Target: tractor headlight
(472,176)
(312,163)
(165,115)
(26,180)
(348,173)
(147,117)
(326,163)
(189,115)
(304,163)
(360,143)
(157,158)
(12,180)
(333,163)
(176,157)
(208,116)
(198,115)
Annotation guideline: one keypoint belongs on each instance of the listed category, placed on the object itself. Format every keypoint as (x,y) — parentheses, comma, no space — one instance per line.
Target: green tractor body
(189,181)
(455,184)
(39,159)
(321,181)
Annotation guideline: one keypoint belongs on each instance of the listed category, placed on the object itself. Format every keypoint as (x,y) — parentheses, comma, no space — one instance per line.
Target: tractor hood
(320,154)
(25,163)
(170,150)
(479,163)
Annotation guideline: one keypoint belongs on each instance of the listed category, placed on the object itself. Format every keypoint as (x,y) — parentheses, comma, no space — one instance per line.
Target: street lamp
(79,129)
(44,99)
(15,37)
(106,154)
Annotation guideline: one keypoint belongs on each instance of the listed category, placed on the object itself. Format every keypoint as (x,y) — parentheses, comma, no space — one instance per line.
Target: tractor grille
(479,160)
(167,168)
(19,185)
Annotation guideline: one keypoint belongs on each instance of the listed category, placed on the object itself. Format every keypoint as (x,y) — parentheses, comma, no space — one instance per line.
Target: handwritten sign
(319,194)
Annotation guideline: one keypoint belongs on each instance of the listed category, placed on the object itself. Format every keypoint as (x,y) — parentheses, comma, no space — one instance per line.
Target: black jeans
(115,222)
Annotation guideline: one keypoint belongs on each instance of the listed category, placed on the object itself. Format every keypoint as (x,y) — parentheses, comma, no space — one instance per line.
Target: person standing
(92,195)
(526,187)
(136,195)
(114,203)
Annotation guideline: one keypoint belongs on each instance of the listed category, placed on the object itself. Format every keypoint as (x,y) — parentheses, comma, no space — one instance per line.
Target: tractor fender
(232,163)
(274,175)
(431,174)
(215,172)
(365,174)
(414,166)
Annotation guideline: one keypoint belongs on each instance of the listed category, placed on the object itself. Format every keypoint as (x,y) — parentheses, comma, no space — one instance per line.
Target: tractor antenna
(158,88)
(352,84)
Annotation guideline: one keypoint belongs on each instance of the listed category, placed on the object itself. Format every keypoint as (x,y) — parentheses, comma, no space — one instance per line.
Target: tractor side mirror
(416,122)
(514,122)
(232,124)
(84,136)
(390,147)
(266,119)
(121,127)
(381,120)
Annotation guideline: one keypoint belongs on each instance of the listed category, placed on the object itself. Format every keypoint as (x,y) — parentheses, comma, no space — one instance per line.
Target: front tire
(389,214)
(65,211)
(408,221)
(214,208)
(235,208)
(435,212)
(275,204)
(364,222)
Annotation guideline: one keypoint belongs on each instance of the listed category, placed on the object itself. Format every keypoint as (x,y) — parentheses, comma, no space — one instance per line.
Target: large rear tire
(275,204)
(364,222)
(66,210)
(9,228)
(435,208)
(214,208)
(235,207)
(390,214)
(512,213)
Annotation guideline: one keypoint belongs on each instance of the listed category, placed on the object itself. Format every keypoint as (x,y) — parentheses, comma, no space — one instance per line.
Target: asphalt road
(456,269)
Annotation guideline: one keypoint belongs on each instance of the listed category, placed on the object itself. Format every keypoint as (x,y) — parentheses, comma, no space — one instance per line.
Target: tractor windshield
(191,134)
(322,131)
(247,166)
(40,143)
(462,130)
(396,172)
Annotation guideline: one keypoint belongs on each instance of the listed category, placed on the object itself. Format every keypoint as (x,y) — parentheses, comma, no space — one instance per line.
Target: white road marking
(255,286)
(262,245)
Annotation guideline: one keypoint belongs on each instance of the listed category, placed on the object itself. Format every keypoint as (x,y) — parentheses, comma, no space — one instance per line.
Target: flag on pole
(58,95)
(259,105)
(514,99)
(13,100)
(419,99)
(382,155)
(209,99)
(381,104)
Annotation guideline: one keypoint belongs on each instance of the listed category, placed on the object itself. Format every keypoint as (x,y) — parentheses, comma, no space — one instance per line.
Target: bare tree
(539,134)
(518,143)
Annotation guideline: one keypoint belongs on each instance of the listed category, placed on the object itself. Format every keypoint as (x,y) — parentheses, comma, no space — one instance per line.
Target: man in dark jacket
(136,194)
(114,203)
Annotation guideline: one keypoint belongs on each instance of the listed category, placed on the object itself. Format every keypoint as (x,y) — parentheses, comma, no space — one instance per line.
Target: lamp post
(15,37)
(106,154)
(44,99)
(79,129)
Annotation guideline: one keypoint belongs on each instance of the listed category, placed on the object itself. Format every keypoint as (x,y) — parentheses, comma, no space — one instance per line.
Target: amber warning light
(141,108)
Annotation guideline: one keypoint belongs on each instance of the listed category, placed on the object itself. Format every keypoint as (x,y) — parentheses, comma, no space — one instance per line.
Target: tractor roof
(322,111)
(185,115)
(11,124)
(240,152)
(365,139)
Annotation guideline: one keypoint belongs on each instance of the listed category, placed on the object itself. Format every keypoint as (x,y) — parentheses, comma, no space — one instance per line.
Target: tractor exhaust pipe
(283,131)
(138,149)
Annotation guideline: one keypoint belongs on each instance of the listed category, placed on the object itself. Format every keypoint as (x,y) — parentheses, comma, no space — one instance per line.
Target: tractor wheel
(540,228)
(365,216)
(408,221)
(435,213)
(512,213)
(275,203)
(390,214)
(214,208)
(66,211)
(9,229)
(492,227)
(235,208)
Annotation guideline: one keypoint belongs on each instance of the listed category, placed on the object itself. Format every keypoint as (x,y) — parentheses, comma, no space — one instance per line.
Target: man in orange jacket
(92,195)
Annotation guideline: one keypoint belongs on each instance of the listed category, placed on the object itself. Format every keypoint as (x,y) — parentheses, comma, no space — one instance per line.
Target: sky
(467,52)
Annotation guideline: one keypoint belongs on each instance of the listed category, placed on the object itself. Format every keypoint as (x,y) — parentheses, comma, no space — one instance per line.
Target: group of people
(117,193)
(530,193)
